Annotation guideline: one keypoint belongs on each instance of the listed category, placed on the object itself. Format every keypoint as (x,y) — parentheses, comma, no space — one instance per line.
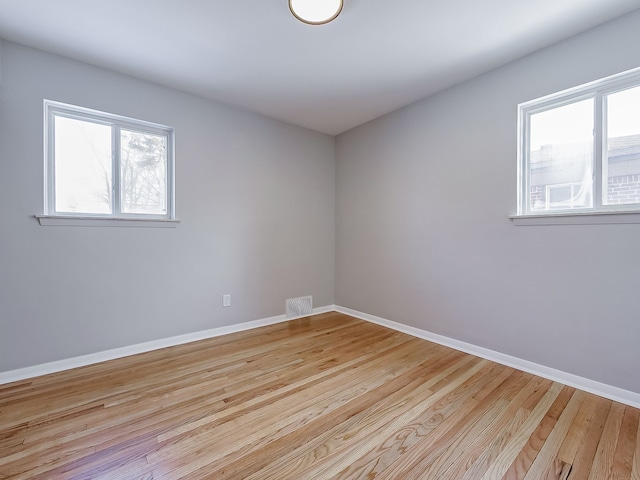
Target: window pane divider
(599,131)
(116,153)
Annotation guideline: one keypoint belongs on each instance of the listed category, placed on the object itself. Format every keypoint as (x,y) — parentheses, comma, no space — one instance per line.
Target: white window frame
(117,217)
(599,213)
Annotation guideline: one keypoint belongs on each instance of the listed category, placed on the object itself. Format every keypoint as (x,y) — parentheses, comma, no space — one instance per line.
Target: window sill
(88,221)
(589,218)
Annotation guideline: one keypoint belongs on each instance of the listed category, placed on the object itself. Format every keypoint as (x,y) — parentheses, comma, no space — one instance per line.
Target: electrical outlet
(226,300)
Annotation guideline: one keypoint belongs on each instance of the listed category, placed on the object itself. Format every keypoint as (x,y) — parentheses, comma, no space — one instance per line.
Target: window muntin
(580,149)
(104,165)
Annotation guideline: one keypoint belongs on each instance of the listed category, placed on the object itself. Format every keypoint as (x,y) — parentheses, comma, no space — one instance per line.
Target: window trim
(619,217)
(597,90)
(117,217)
(89,221)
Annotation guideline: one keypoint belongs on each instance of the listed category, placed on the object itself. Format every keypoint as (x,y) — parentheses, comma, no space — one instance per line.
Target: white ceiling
(375,57)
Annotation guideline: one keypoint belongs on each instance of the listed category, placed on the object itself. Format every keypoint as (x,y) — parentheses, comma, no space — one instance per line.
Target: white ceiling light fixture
(315,12)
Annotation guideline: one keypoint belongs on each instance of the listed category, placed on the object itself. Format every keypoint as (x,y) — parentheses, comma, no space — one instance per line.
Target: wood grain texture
(326,397)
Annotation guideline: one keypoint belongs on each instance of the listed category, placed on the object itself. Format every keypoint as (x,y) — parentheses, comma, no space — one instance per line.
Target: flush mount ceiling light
(315,12)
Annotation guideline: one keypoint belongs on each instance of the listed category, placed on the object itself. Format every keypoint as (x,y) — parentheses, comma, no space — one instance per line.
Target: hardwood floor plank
(416,382)
(463,451)
(545,464)
(468,430)
(327,396)
(626,447)
(118,428)
(349,427)
(577,430)
(589,444)
(603,462)
(557,470)
(334,441)
(513,448)
(635,470)
(523,462)
(473,462)
(221,407)
(489,455)
(411,427)
(286,413)
(392,448)
(415,460)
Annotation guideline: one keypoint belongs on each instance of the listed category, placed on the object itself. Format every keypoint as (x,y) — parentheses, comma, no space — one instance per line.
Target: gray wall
(255,196)
(423,197)
(414,203)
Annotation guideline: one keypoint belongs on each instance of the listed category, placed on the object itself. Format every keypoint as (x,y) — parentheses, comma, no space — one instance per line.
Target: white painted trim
(618,217)
(607,391)
(69,363)
(87,221)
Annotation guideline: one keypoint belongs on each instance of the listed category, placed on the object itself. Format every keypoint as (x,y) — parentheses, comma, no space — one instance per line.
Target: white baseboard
(67,364)
(613,393)
(607,391)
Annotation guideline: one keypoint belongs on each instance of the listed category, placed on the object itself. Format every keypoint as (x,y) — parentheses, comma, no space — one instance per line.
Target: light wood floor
(326,397)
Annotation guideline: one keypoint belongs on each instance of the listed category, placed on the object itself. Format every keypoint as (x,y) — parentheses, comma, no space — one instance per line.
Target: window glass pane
(561,157)
(621,165)
(143,173)
(83,166)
